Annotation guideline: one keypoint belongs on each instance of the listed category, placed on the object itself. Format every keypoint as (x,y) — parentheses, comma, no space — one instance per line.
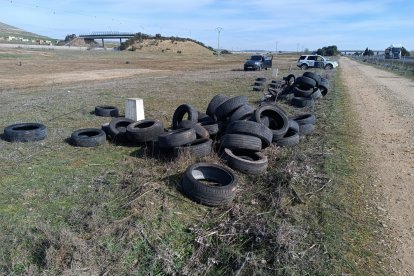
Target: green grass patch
(118,210)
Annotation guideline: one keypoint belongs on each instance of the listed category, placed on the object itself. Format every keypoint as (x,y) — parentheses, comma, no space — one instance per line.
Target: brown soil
(385,104)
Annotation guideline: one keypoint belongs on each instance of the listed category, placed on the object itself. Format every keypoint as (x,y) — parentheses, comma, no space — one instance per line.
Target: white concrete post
(134,109)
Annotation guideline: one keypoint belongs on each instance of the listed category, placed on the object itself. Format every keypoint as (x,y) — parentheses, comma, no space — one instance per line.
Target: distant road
(42,47)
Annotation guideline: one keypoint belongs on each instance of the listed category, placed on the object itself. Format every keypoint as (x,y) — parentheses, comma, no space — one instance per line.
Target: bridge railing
(107,34)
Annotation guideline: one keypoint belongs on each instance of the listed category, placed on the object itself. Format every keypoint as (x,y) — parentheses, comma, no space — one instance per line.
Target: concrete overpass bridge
(107,35)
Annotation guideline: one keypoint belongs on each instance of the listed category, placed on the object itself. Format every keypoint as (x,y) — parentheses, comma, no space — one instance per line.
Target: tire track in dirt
(385,105)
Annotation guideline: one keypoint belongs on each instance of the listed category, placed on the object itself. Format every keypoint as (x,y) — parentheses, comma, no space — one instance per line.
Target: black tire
(290,79)
(177,138)
(258,88)
(211,127)
(290,139)
(315,77)
(306,129)
(144,131)
(241,141)
(262,79)
(304,67)
(258,83)
(88,137)
(105,128)
(328,67)
(305,118)
(203,117)
(324,86)
(221,192)
(198,148)
(305,82)
(117,129)
(180,112)
(278,120)
(25,132)
(317,94)
(215,102)
(106,111)
(242,113)
(298,92)
(201,132)
(302,102)
(253,129)
(226,108)
(293,125)
(246,161)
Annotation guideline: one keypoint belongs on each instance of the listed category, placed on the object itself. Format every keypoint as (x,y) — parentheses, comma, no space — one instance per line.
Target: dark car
(258,62)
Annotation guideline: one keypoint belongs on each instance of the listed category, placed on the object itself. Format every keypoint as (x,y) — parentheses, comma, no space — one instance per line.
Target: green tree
(328,51)
(70,37)
(368,52)
(404,52)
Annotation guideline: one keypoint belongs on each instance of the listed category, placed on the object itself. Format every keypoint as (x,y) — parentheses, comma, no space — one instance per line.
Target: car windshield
(256,58)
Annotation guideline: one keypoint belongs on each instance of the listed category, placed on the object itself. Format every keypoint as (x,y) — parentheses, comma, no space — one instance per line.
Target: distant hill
(7,30)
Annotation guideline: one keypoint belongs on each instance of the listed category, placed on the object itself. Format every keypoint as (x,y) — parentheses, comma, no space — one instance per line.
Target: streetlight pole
(218,29)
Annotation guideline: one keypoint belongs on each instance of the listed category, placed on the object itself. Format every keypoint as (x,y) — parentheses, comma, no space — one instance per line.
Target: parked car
(316,61)
(258,62)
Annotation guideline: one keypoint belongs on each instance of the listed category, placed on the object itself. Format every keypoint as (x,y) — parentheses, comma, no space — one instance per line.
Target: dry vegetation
(117,210)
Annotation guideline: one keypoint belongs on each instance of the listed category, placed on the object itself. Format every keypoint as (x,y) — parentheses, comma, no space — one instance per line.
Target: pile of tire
(309,88)
(259,84)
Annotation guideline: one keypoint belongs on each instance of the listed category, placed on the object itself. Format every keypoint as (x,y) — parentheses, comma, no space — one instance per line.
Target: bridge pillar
(103,43)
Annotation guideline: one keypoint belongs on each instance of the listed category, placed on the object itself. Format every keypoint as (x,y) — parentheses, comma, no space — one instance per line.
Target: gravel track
(385,105)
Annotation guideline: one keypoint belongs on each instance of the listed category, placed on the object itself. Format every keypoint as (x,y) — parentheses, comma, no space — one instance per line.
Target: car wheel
(328,67)
(304,66)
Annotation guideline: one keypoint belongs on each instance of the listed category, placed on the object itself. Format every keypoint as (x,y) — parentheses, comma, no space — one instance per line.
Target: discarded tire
(241,141)
(262,79)
(211,127)
(106,111)
(198,148)
(249,162)
(88,137)
(201,132)
(226,108)
(293,125)
(290,79)
(195,183)
(258,88)
(243,112)
(278,120)
(215,102)
(290,139)
(25,132)
(203,117)
(253,129)
(117,129)
(316,94)
(305,118)
(305,82)
(324,86)
(302,92)
(302,102)
(306,129)
(144,131)
(315,77)
(180,112)
(177,138)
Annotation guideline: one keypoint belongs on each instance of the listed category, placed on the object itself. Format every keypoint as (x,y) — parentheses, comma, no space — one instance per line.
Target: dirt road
(385,104)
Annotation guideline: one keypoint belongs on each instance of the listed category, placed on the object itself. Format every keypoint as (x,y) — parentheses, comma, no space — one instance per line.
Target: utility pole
(218,29)
(276,46)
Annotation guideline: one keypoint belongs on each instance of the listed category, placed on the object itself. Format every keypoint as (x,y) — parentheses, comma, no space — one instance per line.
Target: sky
(245,24)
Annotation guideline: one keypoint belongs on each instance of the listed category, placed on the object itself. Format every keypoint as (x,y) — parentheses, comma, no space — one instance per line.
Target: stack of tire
(308,88)
(259,84)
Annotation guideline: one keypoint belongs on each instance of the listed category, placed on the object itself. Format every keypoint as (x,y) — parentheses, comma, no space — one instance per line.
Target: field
(117,210)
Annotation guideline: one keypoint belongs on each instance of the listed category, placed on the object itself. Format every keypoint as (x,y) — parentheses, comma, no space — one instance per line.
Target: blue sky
(247,24)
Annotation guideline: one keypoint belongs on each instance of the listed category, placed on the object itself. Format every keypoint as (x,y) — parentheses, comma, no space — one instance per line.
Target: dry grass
(118,210)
